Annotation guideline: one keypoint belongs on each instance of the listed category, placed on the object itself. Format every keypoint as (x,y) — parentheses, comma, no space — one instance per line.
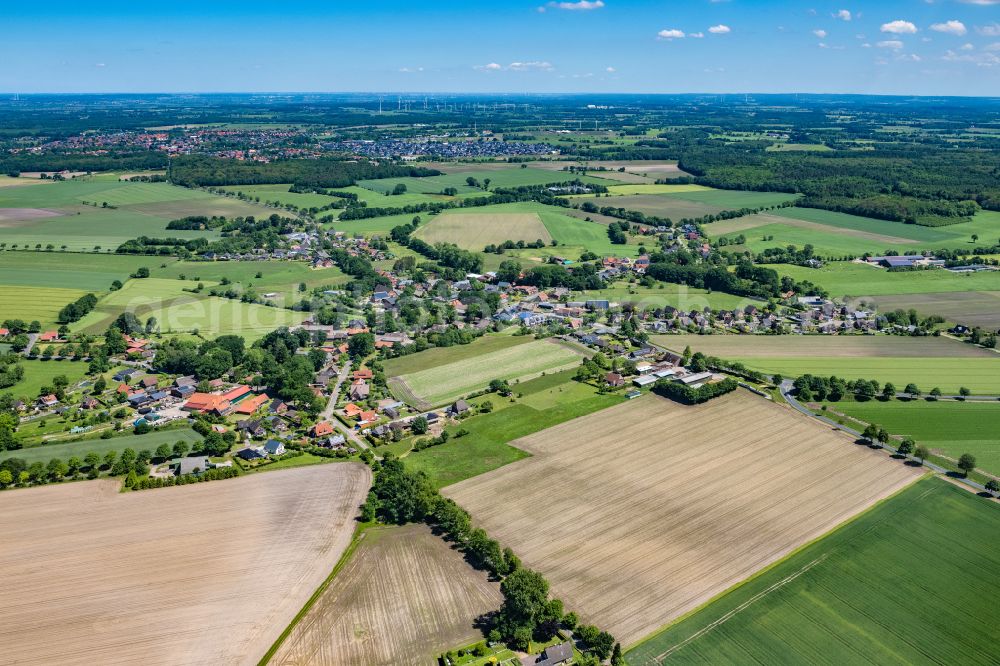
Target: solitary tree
(964,392)
(870,433)
(935,393)
(992,486)
(912,389)
(889,390)
(967,463)
(882,436)
(906,446)
(922,454)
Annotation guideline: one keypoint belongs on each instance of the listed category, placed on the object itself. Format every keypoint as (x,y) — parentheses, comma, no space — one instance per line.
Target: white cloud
(581,6)
(967,47)
(720,29)
(979,59)
(410,70)
(820,33)
(952,27)
(491,67)
(533,65)
(995,46)
(991,30)
(610,70)
(672,33)
(909,57)
(100,64)
(696,35)
(894,44)
(984,3)
(899,27)
(843,15)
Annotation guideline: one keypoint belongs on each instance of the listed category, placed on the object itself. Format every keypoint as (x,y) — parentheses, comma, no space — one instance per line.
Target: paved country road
(327,414)
(786,393)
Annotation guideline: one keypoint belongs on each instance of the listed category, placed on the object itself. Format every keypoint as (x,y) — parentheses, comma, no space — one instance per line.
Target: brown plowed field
(404,597)
(642,512)
(209,573)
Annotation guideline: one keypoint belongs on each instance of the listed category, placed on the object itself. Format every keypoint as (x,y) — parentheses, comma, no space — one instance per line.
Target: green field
(213,316)
(380,226)
(39,373)
(474,230)
(843,279)
(543,402)
(147,442)
(927,362)
(733,199)
(508,177)
(948,427)
(838,235)
(827,241)
(72,270)
(377,199)
(40,304)
(281,195)
(444,382)
(678,296)
(282,277)
(678,202)
(436,356)
(64,213)
(912,581)
(787,347)
(980,375)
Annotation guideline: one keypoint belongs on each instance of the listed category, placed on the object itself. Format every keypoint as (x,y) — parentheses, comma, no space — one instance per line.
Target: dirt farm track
(639,513)
(209,573)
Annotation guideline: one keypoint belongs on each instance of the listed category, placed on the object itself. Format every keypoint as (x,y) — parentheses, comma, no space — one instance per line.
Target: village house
(322,429)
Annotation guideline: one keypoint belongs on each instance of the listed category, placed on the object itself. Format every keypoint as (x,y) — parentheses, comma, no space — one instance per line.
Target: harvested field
(659,507)
(207,573)
(446,382)
(22,214)
(828,346)
(378,610)
(972,308)
(473,231)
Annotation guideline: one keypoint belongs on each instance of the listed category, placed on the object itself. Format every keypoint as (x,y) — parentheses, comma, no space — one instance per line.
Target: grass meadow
(913,580)
(81,448)
(39,373)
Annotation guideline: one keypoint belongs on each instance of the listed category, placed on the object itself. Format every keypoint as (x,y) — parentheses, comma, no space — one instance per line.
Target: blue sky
(939,47)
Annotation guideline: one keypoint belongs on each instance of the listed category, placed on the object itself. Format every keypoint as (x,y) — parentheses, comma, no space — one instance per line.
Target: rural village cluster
(561,381)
